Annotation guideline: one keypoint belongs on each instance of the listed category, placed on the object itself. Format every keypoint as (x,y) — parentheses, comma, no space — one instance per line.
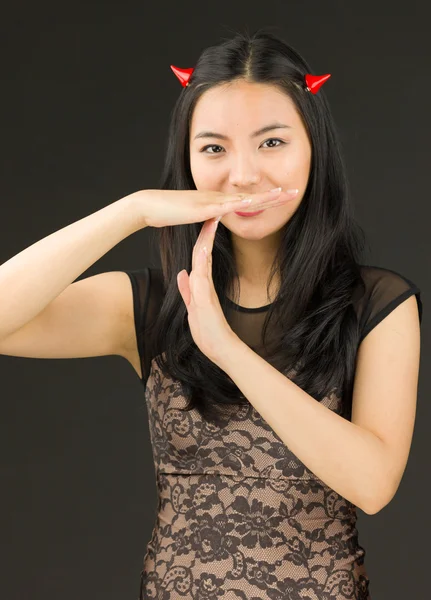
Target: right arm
(45,313)
(38,297)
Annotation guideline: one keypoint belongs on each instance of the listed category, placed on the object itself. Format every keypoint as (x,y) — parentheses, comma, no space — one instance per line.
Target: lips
(249,214)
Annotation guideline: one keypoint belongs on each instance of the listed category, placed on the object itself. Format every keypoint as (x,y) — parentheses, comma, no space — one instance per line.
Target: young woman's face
(241,162)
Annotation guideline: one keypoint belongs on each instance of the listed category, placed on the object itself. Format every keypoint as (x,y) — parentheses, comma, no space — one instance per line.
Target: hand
(161,208)
(208,326)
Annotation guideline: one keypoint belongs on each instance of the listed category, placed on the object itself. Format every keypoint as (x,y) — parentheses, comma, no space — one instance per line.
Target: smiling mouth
(248,214)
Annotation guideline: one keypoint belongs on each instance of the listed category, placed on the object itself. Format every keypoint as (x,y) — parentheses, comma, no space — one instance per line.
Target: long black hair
(318,259)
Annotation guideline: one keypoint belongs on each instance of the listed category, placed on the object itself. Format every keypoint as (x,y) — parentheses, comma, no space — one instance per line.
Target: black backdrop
(86,91)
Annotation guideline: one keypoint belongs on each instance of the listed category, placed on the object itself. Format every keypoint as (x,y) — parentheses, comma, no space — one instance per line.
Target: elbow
(380,489)
(372,510)
(378,501)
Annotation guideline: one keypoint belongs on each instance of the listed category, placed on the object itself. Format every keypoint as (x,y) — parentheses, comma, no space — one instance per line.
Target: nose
(244,173)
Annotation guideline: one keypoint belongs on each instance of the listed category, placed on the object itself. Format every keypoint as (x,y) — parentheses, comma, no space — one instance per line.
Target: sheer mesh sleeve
(147,286)
(140,285)
(384,291)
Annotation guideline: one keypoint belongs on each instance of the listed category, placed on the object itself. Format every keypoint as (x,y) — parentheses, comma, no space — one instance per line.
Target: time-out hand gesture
(163,208)
(208,326)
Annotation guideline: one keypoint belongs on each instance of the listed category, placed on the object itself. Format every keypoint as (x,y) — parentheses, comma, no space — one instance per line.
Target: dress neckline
(248,310)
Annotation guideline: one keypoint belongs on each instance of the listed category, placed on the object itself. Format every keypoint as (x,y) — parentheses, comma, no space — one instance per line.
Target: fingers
(247,200)
(205,238)
(283,198)
(260,199)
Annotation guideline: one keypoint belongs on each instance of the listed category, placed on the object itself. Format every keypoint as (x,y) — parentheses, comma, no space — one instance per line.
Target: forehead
(244,103)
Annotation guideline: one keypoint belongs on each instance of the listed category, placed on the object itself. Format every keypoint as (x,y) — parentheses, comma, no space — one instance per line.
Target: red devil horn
(183,74)
(314,82)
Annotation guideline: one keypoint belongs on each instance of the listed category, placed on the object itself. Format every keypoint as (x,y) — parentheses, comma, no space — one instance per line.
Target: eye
(204,149)
(275,140)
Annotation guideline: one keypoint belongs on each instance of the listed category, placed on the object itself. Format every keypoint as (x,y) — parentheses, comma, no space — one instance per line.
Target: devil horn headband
(313,82)
(183,74)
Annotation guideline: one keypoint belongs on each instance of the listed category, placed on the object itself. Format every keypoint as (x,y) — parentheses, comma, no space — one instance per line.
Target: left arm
(362,460)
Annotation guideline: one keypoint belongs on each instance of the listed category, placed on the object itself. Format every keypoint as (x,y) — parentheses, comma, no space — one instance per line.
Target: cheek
(277,216)
(297,165)
(297,157)
(203,172)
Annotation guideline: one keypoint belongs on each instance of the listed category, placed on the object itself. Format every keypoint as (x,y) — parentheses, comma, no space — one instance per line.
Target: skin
(242,163)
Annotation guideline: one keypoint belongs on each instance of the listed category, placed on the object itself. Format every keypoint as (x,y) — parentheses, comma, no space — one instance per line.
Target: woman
(276,405)
(260,502)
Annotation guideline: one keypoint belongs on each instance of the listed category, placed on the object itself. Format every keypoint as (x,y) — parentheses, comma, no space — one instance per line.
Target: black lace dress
(239,515)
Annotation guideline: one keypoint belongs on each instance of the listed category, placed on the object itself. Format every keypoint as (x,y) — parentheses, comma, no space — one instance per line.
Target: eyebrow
(219,136)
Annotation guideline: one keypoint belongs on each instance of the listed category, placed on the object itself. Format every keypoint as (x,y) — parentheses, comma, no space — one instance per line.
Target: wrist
(231,351)
(133,205)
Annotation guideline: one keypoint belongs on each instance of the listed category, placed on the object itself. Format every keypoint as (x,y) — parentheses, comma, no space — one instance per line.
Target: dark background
(86,95)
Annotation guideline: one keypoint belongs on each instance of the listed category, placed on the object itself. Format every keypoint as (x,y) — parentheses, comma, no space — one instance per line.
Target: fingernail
(295,191)
(276,190)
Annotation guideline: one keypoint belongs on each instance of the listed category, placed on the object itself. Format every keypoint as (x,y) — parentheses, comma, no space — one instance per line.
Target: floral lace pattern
(239,515)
